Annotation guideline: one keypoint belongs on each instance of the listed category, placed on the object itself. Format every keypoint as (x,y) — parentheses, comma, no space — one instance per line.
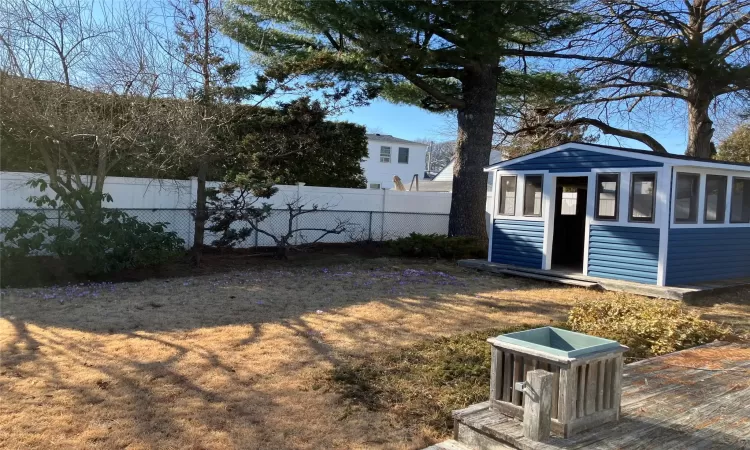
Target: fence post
(537,405)
(299,203)
(382,217)
(369,230)
(256,235)
(191,204)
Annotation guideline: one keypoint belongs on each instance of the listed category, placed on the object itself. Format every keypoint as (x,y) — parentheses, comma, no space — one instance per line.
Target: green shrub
(116,242)
(438,246)
(91,240)
(649,327)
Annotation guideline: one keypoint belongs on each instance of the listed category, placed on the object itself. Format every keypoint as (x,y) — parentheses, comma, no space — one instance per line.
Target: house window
(686,198)
(385,154)
(374,185)
(740,200)
(403,155)
(507,196)
(532,200)
(716,199)
(642,197)
(607,195)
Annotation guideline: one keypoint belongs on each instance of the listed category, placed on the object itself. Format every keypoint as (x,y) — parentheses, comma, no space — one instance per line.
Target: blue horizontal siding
(518,242)
(624,253)
(575,160)
(704,254)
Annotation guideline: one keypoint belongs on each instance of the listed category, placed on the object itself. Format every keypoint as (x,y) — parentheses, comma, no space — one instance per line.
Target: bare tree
(439,154)
(49,39)
(658,55)
(78,89)
(132,59)
(79,135)
(537,128)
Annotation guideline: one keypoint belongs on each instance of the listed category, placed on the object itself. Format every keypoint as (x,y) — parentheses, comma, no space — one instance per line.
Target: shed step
(538,274)
(552,278)
(555,273)
(448,445)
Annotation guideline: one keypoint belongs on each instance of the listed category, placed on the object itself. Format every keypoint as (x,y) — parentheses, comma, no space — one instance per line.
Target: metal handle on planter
(524,387)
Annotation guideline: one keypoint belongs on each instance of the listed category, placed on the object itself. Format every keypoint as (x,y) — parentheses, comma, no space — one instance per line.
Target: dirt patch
(234,360)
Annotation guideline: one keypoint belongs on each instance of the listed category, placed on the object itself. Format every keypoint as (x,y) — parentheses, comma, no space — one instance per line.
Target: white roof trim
(625,153)
(724,166)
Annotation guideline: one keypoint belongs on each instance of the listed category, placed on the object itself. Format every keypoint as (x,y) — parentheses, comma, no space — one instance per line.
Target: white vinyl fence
(370,214)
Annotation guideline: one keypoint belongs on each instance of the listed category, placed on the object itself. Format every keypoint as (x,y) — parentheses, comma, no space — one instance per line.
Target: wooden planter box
(587,376)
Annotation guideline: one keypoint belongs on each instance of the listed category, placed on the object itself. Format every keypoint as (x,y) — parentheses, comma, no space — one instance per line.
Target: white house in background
(388,156)
(443,181)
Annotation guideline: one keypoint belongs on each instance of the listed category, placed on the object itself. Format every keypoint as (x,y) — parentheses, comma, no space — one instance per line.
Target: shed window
(740,200)
(532,201)
(403,155)
(385,154)
(686,198)
(507,196)
(716,199)
(374,185)
(642,197)
(607,194)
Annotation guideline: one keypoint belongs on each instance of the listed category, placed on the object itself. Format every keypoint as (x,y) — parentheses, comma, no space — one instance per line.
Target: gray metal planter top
(557,342)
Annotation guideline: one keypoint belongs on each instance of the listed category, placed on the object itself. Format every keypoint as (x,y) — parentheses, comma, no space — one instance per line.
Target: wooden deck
(576,279)
(693,399)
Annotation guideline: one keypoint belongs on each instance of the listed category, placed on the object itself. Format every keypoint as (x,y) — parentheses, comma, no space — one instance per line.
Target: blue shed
(624,214)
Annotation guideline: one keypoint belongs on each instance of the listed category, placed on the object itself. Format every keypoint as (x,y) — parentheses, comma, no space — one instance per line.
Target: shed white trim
(624,153)
(703,171)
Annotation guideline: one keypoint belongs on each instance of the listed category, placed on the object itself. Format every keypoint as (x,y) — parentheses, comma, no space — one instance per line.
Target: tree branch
(719,40)
(652,143)
(605,128)
(440,96)
(554,54)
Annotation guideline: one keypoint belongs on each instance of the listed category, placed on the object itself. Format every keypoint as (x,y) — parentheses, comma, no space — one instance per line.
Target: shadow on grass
(422,383)
(255,297)
(145,358)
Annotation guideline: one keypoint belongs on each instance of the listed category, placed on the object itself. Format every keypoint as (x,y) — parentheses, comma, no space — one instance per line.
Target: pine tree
(441,55)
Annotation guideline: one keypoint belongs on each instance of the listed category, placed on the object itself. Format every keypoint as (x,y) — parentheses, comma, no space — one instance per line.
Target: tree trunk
(200,213)
(700,125)
(473,145)
(101,170)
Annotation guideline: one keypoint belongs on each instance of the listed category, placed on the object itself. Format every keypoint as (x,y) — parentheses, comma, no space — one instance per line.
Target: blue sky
(410,122)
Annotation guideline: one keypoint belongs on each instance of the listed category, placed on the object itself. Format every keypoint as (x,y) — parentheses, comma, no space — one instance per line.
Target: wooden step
(537,274)
(480,264)
(553,273)
(552,278)
(449,445)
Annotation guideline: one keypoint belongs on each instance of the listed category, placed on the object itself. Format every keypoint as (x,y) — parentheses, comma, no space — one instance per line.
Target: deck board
(693,399)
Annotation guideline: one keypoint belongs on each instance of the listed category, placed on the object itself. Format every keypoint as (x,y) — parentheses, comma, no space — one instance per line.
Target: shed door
(570,223)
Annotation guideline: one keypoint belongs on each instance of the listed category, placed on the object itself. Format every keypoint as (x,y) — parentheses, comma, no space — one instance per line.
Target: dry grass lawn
(234,360)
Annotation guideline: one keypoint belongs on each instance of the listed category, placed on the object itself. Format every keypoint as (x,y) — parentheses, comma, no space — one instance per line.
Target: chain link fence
(358,226)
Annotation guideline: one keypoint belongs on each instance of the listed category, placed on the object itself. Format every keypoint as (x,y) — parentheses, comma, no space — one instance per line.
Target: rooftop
(650,153)
(391,138)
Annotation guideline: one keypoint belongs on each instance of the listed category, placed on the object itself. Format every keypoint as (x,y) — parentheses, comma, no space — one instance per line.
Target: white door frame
(550,205)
